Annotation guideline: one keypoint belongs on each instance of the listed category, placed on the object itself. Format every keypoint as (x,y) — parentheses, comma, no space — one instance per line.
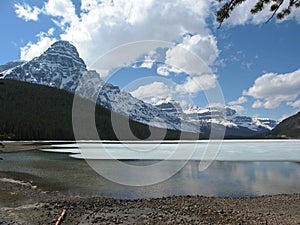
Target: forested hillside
(288,128)
(36,112)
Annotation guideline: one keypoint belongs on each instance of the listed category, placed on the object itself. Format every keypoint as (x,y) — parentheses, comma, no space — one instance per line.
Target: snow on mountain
(169,106)
(11,65)
(124,103)
(227,117)
(60,66)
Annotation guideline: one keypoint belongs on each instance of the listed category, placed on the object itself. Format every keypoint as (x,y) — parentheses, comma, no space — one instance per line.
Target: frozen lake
(241,168)
(227,150)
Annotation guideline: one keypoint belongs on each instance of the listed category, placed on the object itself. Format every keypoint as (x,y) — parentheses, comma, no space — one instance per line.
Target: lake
(233,168)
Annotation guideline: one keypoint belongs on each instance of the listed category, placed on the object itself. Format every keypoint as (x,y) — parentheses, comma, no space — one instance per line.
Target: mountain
(10,65)
(288,128)
(60,66)
(37,112)
(235,125)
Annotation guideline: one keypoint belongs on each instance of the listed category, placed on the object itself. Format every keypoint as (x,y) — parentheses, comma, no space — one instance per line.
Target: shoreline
(28,199)
(36,206)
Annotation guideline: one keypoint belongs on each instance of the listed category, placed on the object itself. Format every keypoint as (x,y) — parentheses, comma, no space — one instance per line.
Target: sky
(169,49)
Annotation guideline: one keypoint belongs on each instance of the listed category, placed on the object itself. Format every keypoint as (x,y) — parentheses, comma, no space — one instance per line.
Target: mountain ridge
(287,128)
(39,112)
(60,66)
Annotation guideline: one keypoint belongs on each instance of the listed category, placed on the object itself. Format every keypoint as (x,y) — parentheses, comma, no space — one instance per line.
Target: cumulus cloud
(215,105)
(239,101)
(152,92)
(193,56)
(64,10)
(199,83)
(156,90)
(257,104)
(236,105)
(237,108)
(27,12)
(148,60)
(295,104)
(32,50)
(163,70)
(104,25)
(148,63)
(272,89)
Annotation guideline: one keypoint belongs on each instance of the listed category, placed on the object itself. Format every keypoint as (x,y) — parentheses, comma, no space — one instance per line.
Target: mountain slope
(10,65)
(60,66)
(288,128)
(36,112)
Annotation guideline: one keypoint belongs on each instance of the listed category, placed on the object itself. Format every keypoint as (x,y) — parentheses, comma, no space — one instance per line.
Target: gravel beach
(26,204)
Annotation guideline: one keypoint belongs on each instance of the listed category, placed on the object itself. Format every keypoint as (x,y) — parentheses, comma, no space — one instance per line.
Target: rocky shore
(45,208)
(25,202)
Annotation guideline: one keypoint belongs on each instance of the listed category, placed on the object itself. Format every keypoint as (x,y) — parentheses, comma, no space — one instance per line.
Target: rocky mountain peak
(59,66)
(63,49)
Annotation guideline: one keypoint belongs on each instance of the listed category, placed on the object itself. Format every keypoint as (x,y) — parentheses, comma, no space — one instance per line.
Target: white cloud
(237,108)
(51,31)
(149,60)
(62,9)
(153,91)
(236,105)
(272,89)
(163,70)
(257,104)
(215,105)
(239,101)
(104,25)
(27,12)
(193,56)
(32,50)
(148,63)
(157,90)
(199,83)
(295,104)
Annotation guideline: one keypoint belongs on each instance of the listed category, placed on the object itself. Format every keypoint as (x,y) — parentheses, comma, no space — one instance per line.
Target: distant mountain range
(61,67)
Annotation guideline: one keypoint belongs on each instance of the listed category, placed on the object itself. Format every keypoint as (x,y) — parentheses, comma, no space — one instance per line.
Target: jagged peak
(165,101)
(63,44)
(64,49)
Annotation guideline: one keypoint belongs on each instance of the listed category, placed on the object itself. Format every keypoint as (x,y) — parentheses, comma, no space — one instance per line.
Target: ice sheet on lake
(228,150)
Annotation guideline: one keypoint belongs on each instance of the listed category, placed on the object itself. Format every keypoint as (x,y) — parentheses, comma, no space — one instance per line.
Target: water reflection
(56,171)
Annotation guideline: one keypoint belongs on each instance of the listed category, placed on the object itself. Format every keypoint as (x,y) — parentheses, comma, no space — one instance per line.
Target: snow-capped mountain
(60,66)
(227,117)
(10,65)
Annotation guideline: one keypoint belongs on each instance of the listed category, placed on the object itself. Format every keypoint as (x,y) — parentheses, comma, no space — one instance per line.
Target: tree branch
(275,11)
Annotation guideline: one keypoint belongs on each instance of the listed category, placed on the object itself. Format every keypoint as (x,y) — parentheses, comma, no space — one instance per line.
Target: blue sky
(255,64)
